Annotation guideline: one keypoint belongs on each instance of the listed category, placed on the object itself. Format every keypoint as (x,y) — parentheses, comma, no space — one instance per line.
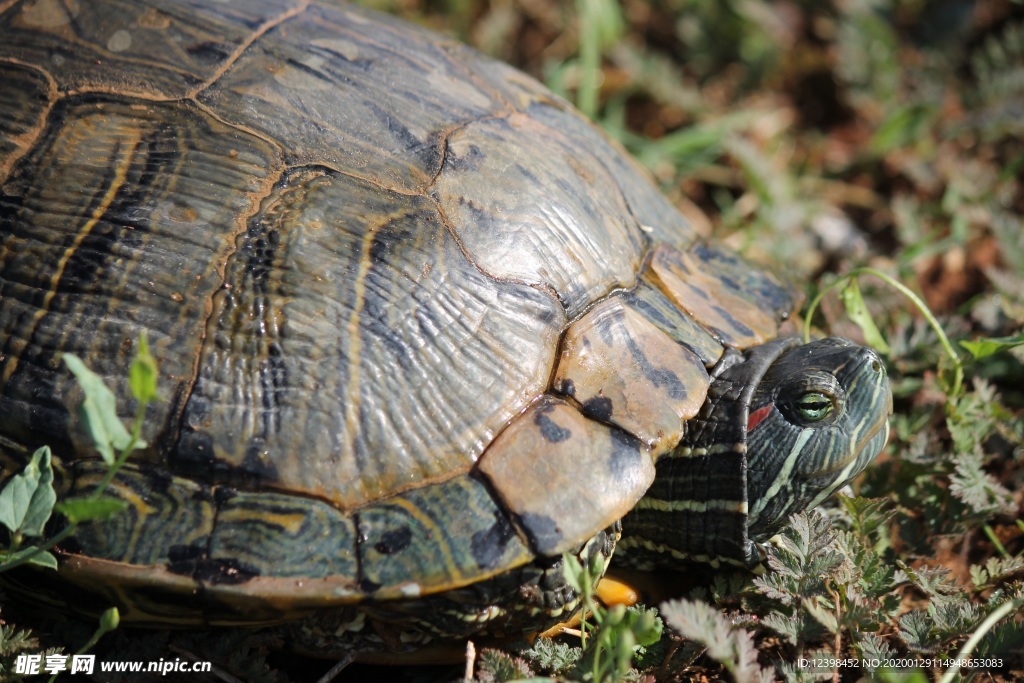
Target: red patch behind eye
(758,415)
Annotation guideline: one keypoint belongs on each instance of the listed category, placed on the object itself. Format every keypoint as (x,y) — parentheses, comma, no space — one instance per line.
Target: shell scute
(254,529)
(544,219)
(131,248)
(400,90)
(750,282)
(24,97)
(167,520)
(649,302)
(626,371)
(659,220)
(716,303)
(414,544)
(565,477)
(157,49)
(348,312)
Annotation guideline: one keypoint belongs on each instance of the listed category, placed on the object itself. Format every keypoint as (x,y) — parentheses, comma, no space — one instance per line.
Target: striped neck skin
(783,427)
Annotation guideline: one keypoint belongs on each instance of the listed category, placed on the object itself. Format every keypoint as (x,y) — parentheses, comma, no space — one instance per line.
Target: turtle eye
(815,406)
(810,398)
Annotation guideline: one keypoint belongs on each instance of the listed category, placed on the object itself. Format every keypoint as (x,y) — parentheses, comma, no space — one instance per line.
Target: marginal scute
(646,300)
(546,219)
(626,371)
(438,536)
(745,280)
(736,318)
(257,529)
(564,476)
(163,515)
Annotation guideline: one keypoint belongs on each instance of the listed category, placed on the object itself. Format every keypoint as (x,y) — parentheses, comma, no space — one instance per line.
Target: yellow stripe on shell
(125,151)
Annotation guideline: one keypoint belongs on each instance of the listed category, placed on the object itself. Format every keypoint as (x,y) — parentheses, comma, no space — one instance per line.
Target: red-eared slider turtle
(422,328)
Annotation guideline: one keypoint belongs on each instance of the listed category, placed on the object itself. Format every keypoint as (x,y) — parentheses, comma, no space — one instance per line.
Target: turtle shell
(418,321)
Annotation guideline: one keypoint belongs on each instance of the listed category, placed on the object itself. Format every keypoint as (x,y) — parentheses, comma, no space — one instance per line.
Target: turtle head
(784,426)
(817,417)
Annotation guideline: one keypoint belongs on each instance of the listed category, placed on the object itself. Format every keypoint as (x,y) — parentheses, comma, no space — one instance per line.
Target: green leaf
(733,648)
(984,347)
(872,648)
(858,312)
(494,665)
(821,613)
(99,411)
(41,559)
(978,489)
(78,510)
(26,502)
(553,656)
(916,630)
(903,126)
(143,373)
(645,624)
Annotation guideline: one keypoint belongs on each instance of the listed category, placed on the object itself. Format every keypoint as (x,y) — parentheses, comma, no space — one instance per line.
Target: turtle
(423,329)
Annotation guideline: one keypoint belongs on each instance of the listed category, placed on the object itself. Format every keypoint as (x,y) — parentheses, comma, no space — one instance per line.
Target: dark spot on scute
(369,587)
(599,407)
(340,58)
(659,377)
(394,540)
(568,387)
(708,254)
(646,309)
(256,466)
(426,152)
(194,452)
(730,282)
(625,457)
(223,494)
(544,532)
(548,429)
(739,327)
(159,481)
(469,160)
(488,546)
(185,559)
(209,52)
(383,242)
(183,553)
(608,324)
(224,571)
